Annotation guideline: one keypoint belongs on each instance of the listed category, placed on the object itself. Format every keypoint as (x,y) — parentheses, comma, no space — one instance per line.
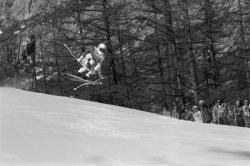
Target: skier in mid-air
(92,61)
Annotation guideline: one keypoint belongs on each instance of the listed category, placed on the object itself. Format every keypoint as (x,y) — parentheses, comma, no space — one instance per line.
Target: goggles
(102,50)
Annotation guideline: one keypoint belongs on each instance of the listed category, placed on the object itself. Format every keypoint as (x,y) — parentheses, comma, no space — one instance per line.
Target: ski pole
(70,51)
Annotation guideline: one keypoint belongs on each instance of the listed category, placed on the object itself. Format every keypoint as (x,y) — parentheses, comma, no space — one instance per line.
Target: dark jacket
(206,114)
(220,113)
(29,51)
(187,115)
(239,116)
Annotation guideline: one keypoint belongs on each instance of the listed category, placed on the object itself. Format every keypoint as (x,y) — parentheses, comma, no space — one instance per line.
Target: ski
(84,81)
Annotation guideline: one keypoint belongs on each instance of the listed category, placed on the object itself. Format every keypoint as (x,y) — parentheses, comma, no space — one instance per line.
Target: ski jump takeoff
(91,64)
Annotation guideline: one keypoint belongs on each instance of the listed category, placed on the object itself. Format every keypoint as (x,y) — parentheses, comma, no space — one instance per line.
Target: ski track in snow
(40,129)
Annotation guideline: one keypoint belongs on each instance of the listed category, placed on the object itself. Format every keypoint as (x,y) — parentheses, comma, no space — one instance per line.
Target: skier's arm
(80,59)
(98,69)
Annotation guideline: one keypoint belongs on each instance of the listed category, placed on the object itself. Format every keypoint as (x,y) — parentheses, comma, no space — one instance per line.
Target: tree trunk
(123,65)
(174,54)
(209,36)
(243,39)
(190,53)
(108,38)
(160,63)
(45,89)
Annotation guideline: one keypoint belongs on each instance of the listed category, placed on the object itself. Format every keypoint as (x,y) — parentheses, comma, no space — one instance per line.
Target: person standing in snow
(206,113)
(187,114)
(28,54)
(220,112)
(28,61)
(230,116)
(92,62)
(175,113)
(246,112)
(238,113)
(197,114)
(165,112)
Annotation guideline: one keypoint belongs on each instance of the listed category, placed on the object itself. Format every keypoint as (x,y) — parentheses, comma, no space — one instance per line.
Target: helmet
(102,46)
(201,102)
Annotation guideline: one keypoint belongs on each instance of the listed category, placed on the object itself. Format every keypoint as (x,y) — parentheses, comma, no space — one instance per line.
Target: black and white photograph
(125,82)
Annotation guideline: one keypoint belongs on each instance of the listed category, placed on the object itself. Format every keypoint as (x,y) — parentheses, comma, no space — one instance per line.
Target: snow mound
(39,129)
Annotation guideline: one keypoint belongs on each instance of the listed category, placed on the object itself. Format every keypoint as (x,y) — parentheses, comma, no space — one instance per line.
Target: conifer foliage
(161,53)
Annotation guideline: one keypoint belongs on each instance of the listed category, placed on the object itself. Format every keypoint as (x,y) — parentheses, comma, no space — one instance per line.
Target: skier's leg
(90,73)
(98,70)
(82,69)
(91,70)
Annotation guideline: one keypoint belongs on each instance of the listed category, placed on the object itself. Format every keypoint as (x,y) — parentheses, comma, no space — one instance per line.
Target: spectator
(206,113)
(246,112)
(183,111)
(175,113)
(220,112)
(239,115)
(165,112)
(230,116)
(197,114)
(187,114)
(28,54)
(247,116)
(28,60)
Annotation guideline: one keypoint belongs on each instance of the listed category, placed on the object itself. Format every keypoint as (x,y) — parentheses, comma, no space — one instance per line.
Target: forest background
(161,53)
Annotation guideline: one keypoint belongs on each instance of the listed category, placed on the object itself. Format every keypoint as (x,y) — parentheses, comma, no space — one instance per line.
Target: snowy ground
(39,129)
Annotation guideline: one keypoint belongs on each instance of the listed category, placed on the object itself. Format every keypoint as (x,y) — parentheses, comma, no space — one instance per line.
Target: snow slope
(39,129)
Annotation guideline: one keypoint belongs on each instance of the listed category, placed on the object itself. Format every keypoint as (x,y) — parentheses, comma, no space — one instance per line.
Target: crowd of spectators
(237,114)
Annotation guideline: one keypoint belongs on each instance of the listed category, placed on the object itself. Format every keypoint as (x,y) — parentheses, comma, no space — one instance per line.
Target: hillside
(39,129)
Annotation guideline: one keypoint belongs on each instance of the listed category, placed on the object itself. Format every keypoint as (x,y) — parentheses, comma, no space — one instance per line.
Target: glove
(88,65)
